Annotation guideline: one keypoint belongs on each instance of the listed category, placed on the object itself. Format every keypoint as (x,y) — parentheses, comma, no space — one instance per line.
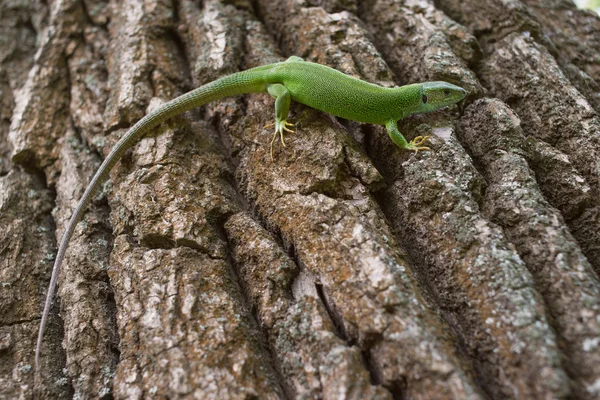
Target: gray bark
(345,268)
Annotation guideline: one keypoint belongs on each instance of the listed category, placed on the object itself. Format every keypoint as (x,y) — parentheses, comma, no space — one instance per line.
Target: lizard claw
(284,127)
(416,144)
(419,140)
(423,148)
(273,141)
(280,126)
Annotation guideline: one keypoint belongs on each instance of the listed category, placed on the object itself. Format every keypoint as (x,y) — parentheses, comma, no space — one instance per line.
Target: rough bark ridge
(343,269)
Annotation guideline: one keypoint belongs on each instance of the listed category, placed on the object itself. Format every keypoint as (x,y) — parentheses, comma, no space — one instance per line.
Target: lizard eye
(424,99)
(446,92)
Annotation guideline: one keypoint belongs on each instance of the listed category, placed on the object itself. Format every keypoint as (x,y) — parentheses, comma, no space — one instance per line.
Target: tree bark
(344,268)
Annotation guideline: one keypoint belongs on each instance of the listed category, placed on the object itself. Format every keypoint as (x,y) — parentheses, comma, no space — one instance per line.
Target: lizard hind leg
(294,59)
(283,99)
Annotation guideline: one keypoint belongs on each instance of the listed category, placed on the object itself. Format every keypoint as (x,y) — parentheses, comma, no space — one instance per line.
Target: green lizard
(315,85)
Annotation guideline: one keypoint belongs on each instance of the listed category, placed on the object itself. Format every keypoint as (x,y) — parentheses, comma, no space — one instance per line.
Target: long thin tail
(250,81)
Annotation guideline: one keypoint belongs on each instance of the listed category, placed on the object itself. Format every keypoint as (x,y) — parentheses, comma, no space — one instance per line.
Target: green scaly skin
(315,85)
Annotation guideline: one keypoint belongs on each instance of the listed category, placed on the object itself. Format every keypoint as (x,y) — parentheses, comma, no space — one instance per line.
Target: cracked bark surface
(342,269)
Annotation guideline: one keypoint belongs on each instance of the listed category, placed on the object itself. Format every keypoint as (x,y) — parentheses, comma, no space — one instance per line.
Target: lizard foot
(280,126)
(416,144)
(272,124)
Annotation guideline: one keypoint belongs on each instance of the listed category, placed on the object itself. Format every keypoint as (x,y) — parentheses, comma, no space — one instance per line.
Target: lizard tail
(249,81)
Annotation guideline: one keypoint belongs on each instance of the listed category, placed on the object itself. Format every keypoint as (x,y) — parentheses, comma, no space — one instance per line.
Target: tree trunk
(344,268)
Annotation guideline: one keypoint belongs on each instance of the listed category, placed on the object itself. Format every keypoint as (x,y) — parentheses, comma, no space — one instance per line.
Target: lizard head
(435,95)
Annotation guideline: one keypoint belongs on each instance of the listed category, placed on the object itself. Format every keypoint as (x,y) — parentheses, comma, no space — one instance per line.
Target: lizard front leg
(392,129)
(283,99)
